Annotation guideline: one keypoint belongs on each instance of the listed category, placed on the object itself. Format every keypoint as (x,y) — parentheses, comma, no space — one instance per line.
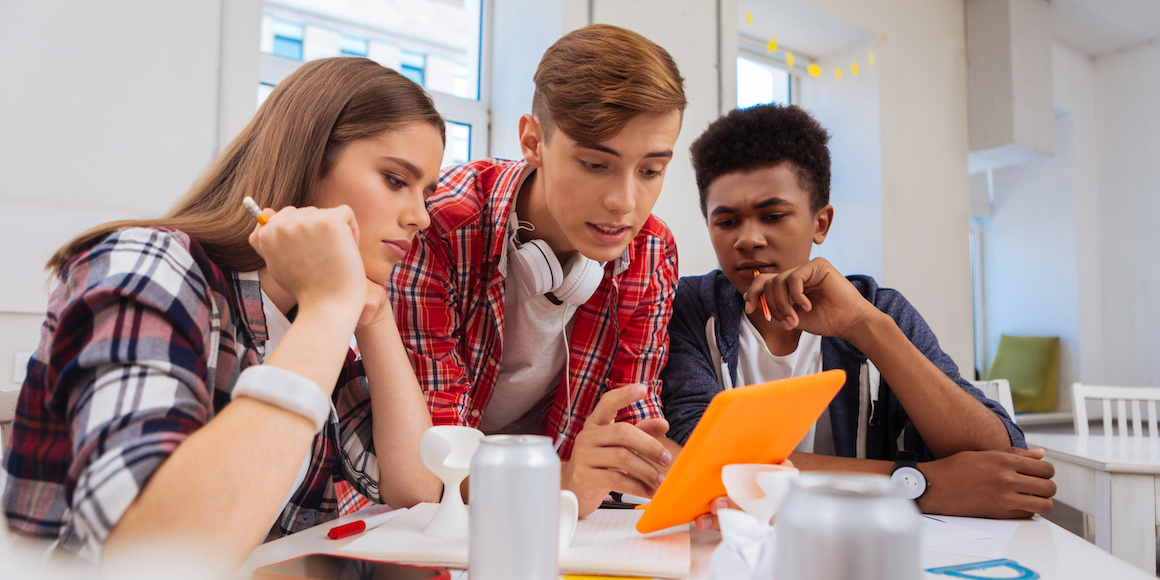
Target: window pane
(264,91)
(436,43)
(413,65)
(758,84)
(458,144)
(352,46)
(287,48)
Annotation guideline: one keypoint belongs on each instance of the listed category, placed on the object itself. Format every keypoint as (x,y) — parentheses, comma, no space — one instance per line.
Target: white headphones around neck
(535,268)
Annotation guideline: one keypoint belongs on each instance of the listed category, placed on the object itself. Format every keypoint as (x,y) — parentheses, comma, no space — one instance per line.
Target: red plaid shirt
(448,296)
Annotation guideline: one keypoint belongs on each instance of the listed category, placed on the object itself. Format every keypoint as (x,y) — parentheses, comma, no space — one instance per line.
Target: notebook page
(605,542)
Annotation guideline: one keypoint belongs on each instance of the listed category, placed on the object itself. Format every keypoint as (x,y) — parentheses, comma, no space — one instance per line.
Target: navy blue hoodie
(865,403)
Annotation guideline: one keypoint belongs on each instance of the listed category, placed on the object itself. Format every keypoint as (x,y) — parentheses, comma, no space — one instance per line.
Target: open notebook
(605,542)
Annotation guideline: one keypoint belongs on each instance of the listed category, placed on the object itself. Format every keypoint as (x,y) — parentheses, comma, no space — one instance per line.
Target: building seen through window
(435,43)
(759,83)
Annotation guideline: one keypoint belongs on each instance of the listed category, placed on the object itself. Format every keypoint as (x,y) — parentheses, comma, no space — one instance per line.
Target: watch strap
(906,459)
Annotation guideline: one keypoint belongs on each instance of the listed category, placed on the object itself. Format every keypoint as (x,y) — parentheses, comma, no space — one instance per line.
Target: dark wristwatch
(907,476)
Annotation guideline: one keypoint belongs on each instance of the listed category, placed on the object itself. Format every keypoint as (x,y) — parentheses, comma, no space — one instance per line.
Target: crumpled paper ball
(746,550)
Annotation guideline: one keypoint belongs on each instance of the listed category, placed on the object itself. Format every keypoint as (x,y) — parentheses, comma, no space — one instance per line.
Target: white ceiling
(799,27)
(1097,27)
(1093,27)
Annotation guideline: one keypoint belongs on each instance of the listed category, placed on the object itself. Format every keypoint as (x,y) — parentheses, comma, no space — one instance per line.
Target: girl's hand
(377,307)
(313,254)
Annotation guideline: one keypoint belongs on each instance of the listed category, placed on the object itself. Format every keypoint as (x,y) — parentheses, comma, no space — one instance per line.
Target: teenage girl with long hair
(194,381)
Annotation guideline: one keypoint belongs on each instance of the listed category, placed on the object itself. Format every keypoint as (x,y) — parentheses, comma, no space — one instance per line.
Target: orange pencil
(764,305)
(255,210)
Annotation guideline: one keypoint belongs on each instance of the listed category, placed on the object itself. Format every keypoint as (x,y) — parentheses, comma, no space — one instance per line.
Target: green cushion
(1031,364)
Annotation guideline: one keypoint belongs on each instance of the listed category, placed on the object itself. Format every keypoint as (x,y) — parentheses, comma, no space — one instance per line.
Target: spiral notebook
(605,542)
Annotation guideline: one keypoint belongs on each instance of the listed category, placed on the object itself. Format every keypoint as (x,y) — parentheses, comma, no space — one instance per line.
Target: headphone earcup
(535,267)
(583,278)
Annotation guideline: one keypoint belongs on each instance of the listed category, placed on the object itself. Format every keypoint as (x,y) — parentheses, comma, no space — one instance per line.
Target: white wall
(524,29)
(849,109)
(1073,78)
(921,62)
(688,30)
(1071,246)
(1030,269)
(1127,90)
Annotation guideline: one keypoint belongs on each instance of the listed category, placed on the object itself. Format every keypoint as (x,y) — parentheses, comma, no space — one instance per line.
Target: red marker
(338,532)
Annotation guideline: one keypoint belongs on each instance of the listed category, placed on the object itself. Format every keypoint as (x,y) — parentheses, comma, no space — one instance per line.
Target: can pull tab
(960,570)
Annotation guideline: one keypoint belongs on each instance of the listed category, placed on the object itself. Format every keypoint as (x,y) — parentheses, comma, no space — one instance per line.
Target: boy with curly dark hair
(764,180)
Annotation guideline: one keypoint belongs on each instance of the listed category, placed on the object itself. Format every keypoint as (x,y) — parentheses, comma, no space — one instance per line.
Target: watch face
(911,480)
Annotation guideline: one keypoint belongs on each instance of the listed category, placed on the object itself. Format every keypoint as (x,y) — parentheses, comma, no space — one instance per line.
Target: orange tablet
(755,424)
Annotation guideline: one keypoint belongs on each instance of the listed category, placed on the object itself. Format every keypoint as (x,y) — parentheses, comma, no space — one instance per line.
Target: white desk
(1038,544)
(1114,480)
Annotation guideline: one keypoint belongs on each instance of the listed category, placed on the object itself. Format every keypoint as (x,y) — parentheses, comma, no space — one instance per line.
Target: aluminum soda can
(515,509)
(835,526)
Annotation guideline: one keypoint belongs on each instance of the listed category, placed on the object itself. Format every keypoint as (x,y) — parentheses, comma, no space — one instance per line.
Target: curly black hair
(765,136)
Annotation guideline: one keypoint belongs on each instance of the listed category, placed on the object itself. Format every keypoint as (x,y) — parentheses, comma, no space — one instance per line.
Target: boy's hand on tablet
(610,455)
(1010,483)
(709,521)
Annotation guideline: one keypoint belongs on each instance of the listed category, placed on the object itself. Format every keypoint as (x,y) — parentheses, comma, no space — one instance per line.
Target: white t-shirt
(755,364)
(535,350)
(276,326)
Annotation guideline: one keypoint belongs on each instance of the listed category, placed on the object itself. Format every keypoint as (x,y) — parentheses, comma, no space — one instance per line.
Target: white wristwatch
(285,389)
(908,477)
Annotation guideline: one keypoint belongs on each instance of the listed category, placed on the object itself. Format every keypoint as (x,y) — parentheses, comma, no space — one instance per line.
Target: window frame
(748,50)
(474,112)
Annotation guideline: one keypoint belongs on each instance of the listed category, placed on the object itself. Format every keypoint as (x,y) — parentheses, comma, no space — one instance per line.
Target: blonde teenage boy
(538,300)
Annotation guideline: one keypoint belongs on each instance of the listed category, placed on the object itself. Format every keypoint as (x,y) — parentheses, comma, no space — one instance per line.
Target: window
(458,144)
(412,65)
(348,46)
(264,91)
(760,83)
(287,40)
(438,44)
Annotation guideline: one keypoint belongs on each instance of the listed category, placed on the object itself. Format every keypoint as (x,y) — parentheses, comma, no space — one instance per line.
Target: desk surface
(1038,545)
(1111,454)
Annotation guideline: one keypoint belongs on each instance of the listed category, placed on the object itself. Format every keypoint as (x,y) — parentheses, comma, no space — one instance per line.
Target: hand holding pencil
(813,297)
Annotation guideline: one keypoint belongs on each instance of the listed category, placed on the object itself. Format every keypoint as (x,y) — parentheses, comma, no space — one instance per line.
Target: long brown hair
(280,156)
(596,79)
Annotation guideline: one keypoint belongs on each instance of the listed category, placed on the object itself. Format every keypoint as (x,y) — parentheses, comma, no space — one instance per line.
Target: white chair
(998,390)
(1126,398)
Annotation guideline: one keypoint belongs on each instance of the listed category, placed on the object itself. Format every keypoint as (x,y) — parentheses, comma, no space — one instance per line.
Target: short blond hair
(594,80)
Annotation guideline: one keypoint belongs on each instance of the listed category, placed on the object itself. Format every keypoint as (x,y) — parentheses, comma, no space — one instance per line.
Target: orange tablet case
(755,424)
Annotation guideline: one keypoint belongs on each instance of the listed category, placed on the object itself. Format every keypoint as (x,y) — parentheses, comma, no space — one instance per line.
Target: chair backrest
(1031,364)
(998,390)
(1125,398)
